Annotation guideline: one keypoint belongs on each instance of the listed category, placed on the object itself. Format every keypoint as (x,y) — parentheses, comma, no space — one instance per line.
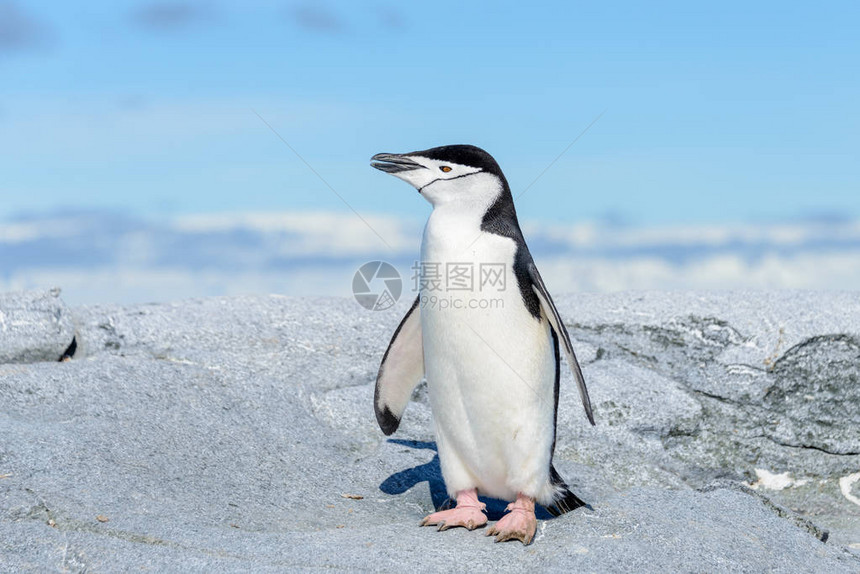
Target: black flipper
(400,372)
(557,325)
(501,219)
(567,500)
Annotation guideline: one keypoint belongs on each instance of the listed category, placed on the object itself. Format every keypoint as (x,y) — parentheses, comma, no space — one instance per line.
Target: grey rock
(221,435)
(816,385)
(34,326)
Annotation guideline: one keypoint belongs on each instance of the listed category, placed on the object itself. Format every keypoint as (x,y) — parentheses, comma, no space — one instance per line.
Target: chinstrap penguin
(492,370)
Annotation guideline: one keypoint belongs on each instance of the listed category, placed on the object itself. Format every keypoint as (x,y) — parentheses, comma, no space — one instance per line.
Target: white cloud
(836,271)
(100,258)
(315,232)
(712,235)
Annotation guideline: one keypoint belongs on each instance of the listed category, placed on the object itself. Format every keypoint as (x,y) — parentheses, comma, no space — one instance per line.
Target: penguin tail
(565,500)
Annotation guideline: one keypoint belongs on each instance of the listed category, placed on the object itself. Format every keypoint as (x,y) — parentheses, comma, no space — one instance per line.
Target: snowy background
(110,257)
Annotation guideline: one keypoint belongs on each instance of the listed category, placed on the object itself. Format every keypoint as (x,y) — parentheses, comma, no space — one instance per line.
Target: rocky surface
(238,433)
(34,326)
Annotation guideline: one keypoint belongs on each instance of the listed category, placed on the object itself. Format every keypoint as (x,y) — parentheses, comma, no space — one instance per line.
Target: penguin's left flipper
(555,321)
(401,370)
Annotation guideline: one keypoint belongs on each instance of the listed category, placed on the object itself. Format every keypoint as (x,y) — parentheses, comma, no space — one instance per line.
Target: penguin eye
(445,168)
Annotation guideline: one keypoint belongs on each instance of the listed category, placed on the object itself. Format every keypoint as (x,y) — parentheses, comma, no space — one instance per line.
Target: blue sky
(734,111)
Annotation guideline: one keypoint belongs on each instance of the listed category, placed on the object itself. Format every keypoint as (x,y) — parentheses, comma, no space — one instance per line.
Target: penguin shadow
(431,473)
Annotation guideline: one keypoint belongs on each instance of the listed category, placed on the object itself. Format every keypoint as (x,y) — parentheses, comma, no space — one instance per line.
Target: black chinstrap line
(423,187)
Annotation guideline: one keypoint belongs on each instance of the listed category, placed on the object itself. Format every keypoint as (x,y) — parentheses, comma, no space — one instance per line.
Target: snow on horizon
(107,257)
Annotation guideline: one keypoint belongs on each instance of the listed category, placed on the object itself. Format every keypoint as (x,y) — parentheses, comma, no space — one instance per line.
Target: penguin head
(451,174)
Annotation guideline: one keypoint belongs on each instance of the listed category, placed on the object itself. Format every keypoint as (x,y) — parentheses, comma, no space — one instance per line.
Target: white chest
(471,303)
(459,260)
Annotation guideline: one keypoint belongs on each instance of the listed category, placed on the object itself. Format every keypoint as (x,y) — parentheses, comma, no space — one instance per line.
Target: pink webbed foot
(519,524)
(469,513)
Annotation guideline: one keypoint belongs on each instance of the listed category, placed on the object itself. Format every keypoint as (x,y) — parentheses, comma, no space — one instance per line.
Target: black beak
(393,163)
